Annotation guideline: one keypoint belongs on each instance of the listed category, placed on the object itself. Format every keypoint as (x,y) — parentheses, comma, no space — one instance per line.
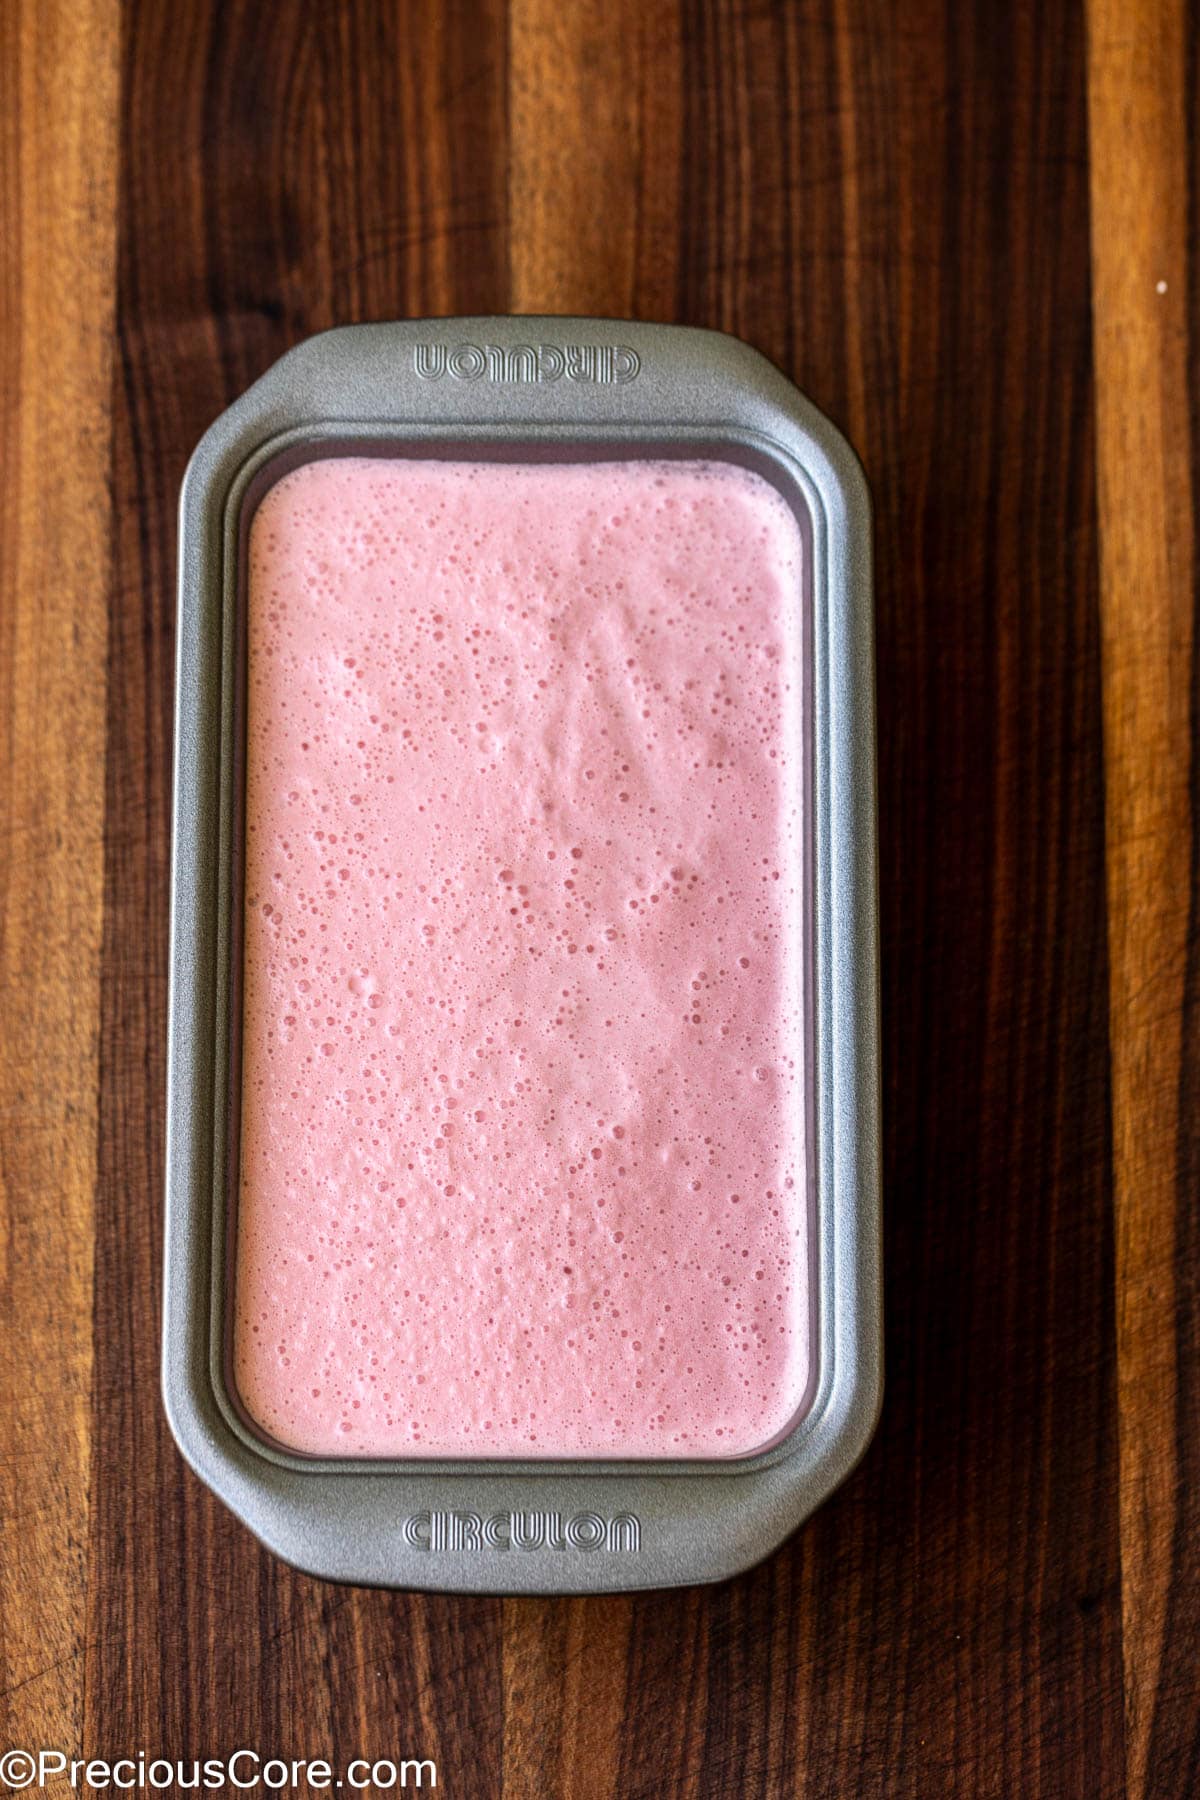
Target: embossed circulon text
(517,364)
(621,1534)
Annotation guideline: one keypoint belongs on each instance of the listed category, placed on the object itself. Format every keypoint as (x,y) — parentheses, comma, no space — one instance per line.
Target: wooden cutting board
(969,232)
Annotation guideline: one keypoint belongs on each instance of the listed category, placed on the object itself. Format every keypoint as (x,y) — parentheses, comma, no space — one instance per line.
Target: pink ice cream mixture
(525,1167)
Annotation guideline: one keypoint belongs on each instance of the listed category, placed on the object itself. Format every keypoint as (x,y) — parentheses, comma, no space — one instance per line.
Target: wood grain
(58,70)
(1141,81)
(594,157)
(916,210)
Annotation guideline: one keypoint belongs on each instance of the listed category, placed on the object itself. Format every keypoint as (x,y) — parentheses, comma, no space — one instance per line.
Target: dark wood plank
(1143,65)
(282,168)
(970,1581)
(58,169)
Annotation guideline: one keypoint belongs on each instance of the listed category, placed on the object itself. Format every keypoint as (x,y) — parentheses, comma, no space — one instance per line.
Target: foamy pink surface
(523,1158)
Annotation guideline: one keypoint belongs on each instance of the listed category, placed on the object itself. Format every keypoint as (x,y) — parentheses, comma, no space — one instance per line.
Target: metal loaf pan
(525,388)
